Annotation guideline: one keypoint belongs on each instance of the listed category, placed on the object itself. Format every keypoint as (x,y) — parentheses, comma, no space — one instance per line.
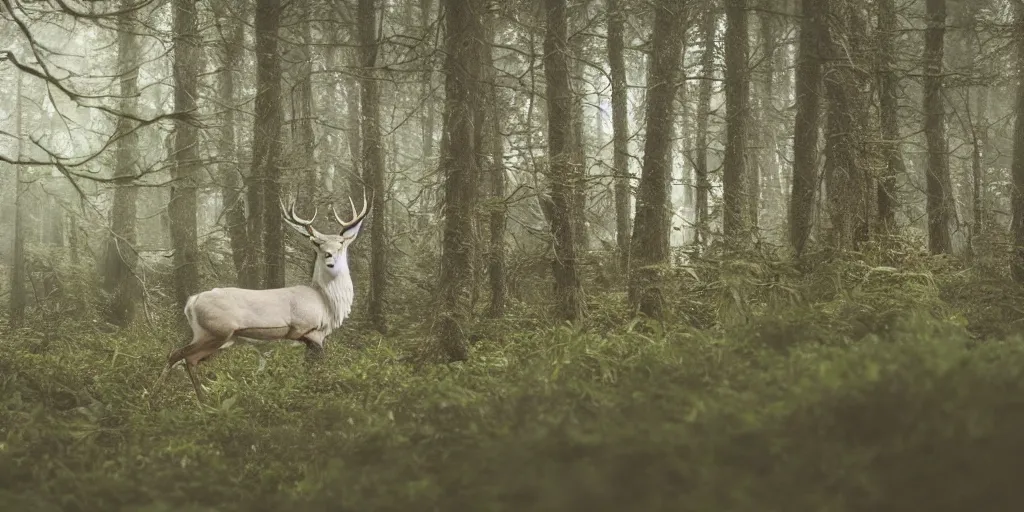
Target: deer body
(306,313)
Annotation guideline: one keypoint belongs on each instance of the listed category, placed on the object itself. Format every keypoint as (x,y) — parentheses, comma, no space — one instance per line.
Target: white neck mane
(336,289)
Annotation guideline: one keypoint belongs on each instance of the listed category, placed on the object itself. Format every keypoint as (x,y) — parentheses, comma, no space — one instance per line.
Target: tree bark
(183,204)
(306,114)
(845,174)
(231,179)
(568,288)
(373,164)
(806,126)
(266,143)
(649,249)
(19,293)
(498,212)
(579,158)
(1017,197)
(700,164)
(463,34)
(939,184)
(978,155)
(620,129)
(766,173)
(119,277)
(888,111)
(737,223)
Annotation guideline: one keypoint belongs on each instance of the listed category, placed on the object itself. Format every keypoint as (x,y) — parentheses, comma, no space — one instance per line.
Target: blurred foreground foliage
(857,384)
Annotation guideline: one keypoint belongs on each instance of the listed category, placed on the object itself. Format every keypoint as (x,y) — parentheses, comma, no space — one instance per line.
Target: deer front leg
(314,341)
(314,353)
(191,369)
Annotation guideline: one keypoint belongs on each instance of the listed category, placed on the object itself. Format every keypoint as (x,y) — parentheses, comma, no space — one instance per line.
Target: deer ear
(353,230)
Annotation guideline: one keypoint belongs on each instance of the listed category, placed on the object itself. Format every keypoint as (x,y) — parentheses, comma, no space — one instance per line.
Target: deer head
(331,249)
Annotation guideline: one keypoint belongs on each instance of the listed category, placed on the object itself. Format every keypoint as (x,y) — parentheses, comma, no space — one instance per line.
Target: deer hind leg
(196,353)
(202,347)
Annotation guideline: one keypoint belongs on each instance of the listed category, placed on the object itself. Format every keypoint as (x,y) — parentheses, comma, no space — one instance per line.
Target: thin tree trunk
(373,164)
(19,293)
(845,178)
(498,210)
(183,204)
(231,179)
(767,168)
(1017,197)
(462,98)
(427,113)
(980,148)
(888,111)
(805,136)
(620,130)
(649,249)
(306,115)
(119,276)
(700,164)
(939,185)
(568,288)
(579,167)
(266,144)
(737,222)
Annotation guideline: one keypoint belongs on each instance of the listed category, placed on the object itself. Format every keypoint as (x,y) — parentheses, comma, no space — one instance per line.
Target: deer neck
(336,289)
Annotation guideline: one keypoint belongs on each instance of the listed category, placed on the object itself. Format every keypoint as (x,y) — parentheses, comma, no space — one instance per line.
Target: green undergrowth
(870,389)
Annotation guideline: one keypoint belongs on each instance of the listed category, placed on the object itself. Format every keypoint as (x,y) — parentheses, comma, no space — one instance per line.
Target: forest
(433,255)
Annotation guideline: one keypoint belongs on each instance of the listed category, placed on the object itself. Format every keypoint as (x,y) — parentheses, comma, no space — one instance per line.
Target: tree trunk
(620,130)
(305,116)
(1017,197)
(939,185)
(568,288)
(266,140)
(498,209)
(766,175)
(19,294)
(649,249)
(700,163)
(231,179)
(427,112)
(845,176)
(888,111)
(373,164)
(463,34)
(978,155)
(119,276)
(579,165)
(737,223)
(183,204)
(805,133)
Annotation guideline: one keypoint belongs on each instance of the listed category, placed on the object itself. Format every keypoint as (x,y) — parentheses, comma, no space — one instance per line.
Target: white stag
(304,313)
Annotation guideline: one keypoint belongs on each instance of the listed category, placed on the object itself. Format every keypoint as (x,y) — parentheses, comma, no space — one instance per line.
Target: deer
(305,313)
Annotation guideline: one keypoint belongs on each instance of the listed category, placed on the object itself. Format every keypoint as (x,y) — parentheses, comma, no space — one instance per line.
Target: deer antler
(299,223)
(356,216)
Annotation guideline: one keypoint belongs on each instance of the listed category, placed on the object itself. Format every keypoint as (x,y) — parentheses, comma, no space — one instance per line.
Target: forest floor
(855,387)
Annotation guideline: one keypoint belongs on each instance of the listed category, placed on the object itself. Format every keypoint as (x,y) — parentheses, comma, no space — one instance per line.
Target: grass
(877,390)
